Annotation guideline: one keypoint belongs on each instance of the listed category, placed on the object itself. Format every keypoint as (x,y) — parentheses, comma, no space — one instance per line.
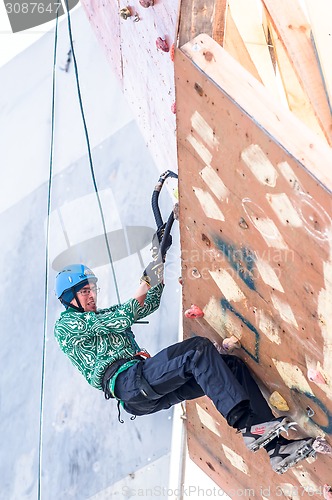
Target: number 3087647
(32,8)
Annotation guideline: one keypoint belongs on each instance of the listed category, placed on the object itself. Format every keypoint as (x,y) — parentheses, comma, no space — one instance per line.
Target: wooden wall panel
(256,237)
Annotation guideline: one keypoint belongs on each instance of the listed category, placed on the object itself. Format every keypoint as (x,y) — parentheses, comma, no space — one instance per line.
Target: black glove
(153,274)
(156,242)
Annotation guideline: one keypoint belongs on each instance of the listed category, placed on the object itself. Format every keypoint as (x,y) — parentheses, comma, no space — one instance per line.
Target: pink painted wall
(146,73)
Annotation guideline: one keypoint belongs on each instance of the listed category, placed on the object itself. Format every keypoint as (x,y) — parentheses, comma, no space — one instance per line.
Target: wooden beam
(292,28)
(236,47)
(320,16)
(219,21)
(248,19)
(252,97)
(199,16)
(297,100)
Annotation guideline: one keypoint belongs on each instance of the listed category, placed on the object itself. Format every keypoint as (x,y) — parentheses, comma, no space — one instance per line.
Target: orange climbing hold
(231,343)
(125,12)
(194,312)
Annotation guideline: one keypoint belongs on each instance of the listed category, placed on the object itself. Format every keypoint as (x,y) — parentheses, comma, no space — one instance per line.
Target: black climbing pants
(188,370)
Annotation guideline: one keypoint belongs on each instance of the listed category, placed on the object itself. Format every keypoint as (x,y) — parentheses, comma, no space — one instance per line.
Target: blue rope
(46,262)
(89,153)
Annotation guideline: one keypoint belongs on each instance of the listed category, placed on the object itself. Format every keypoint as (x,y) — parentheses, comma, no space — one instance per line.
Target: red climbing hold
(315,376)
(194,312)
(162,44)
(327,492)
(146,3)
(173,107)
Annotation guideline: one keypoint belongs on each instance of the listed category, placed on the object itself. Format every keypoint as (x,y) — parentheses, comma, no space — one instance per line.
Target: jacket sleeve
(132,310)
(152,301)
(115,319)
(118,318)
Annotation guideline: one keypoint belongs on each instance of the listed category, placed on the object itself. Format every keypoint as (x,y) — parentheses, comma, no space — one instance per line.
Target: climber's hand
(153,274)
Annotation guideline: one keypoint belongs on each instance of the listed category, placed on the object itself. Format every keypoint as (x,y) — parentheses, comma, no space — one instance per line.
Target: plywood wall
(256,237)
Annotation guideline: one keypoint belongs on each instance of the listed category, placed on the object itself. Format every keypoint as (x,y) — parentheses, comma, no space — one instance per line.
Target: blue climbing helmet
(70,280)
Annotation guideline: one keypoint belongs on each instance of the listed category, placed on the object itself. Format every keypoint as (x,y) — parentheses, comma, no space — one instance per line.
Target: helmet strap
(78,308)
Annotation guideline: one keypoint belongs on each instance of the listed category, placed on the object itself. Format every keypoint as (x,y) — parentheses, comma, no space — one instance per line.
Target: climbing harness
(114,369)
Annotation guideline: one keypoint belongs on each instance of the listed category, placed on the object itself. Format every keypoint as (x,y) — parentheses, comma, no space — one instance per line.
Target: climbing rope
(48,221)
(89,151)
(46,260)
(163,228)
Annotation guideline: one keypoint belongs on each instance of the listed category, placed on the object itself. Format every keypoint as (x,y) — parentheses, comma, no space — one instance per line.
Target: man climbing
(101,344)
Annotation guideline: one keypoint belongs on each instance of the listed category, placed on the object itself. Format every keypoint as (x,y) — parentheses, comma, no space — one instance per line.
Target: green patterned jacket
(92,341)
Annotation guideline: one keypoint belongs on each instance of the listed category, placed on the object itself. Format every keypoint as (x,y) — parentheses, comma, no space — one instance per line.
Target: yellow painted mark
(284,210)
(213,181)
(214,316)
(268,274)
(305,480)
(284,309)
(235,459)
(268,327)
(207,420)
(204,130)
(200,149)
(259,164)
(227,285)
(209,206)
(287,172)
(292,376)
